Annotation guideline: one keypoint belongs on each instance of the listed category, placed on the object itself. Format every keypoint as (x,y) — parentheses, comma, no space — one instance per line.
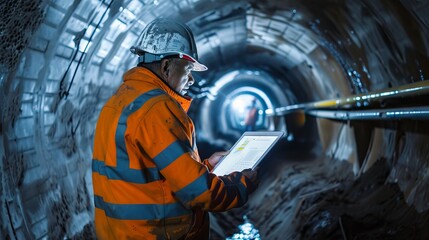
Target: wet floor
(321,198)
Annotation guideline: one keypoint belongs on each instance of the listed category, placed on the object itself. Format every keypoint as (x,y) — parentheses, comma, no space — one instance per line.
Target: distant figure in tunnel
(149,181)
(251,117)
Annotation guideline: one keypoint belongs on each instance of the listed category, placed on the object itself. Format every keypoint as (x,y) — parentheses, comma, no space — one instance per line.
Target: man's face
(179,75)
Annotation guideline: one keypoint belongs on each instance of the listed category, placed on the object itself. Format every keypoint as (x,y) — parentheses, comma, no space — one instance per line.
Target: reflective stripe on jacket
(147,175)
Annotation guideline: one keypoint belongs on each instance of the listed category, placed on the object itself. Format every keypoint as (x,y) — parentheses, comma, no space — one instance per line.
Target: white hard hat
(162,38)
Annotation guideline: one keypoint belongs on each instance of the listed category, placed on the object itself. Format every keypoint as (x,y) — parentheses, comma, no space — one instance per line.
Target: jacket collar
(145,75)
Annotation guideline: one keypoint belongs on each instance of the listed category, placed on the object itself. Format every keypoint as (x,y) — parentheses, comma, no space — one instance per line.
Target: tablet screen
(247,152)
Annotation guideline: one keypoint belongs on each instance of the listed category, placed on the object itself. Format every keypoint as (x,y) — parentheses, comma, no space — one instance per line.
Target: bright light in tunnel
(230,97)
(239,104)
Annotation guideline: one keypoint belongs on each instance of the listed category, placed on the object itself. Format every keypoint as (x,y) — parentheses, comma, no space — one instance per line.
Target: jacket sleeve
(165,137)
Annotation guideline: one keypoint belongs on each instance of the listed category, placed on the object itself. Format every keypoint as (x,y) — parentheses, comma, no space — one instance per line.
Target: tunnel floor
(317,197)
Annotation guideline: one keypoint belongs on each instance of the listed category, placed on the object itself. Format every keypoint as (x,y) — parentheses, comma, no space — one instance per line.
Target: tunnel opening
(224,110)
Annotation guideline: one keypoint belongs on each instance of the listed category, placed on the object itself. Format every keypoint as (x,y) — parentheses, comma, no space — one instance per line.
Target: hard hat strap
(148,58)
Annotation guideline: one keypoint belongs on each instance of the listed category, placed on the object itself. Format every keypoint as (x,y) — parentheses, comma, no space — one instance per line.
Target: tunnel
(346,81)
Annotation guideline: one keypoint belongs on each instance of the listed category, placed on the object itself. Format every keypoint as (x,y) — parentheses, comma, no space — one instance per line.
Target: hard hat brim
(197,67)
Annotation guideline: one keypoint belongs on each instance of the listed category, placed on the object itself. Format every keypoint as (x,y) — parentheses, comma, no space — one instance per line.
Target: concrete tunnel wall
(55,76)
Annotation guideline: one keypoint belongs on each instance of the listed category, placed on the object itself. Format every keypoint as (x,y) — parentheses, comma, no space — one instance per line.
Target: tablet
(247,152)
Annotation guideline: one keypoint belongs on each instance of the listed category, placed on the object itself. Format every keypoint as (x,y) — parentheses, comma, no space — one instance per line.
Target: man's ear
(165,68)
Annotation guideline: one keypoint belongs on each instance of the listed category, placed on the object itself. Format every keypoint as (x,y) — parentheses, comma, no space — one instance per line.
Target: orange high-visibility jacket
(148,179)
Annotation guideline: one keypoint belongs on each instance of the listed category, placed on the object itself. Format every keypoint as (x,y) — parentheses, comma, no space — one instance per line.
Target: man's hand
(214,159)
(252,176)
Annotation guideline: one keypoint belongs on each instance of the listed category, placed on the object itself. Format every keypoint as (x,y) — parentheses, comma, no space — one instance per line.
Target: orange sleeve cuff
(207,164)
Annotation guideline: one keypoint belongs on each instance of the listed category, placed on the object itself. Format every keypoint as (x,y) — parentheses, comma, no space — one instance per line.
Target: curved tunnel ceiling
(61,60)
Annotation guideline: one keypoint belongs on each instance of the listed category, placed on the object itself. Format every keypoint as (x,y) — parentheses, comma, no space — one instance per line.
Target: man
(252,117)
(149,181)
